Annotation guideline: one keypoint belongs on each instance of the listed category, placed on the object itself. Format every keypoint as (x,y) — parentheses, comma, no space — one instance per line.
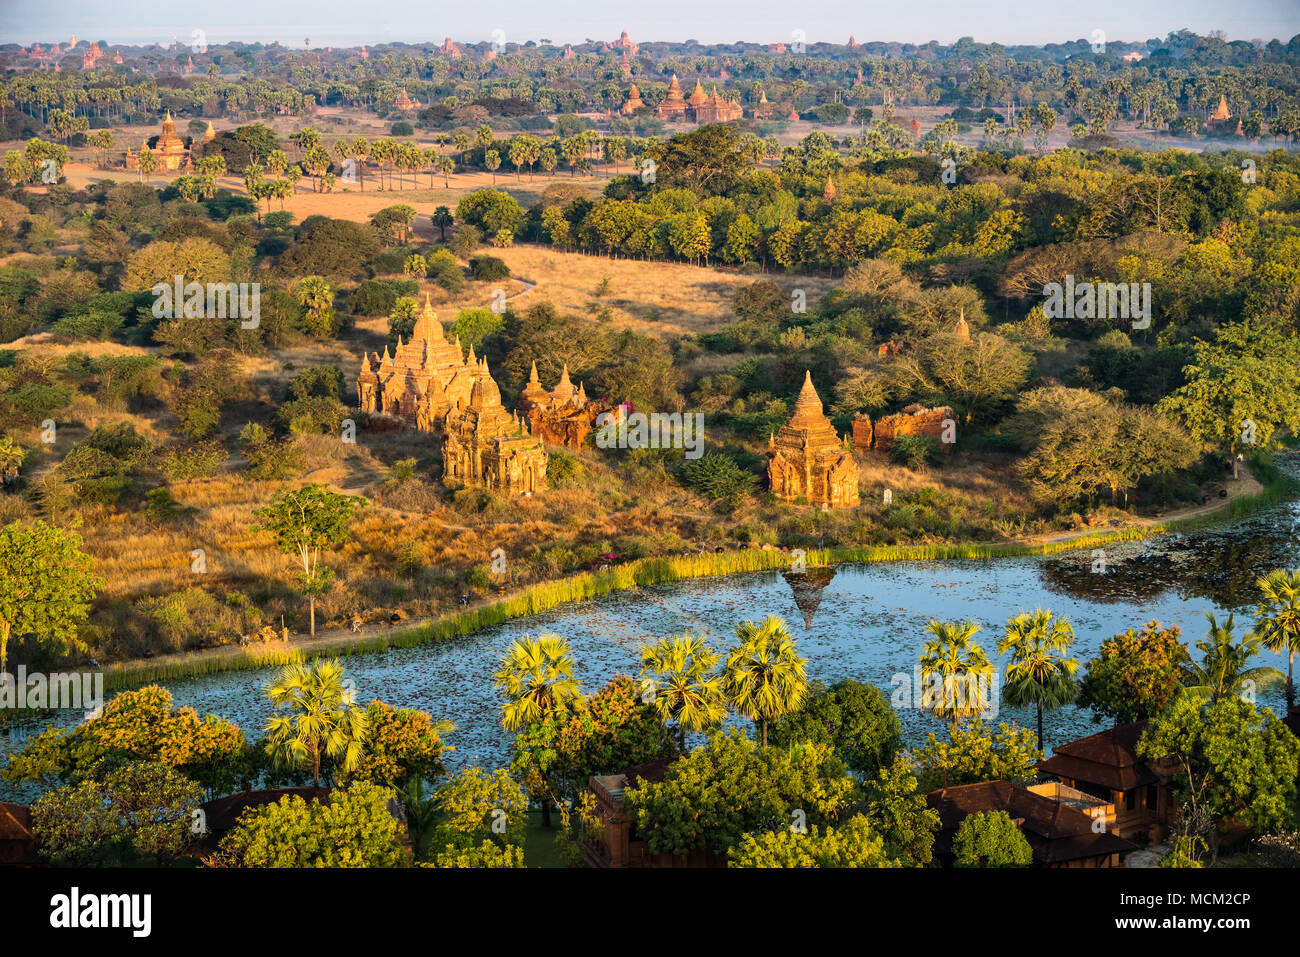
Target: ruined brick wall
(914,420)
(862,431)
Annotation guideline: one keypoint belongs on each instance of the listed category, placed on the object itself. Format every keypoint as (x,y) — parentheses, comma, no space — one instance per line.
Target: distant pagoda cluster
(430,384)
(699,106)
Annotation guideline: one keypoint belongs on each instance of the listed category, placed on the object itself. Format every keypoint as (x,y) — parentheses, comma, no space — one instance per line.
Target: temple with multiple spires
(431,385)
(562,416)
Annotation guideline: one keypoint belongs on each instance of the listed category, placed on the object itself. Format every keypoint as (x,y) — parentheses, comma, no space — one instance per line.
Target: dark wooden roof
(17,840)
(1108,758)
(223,813)
(1056,832)
(614,784)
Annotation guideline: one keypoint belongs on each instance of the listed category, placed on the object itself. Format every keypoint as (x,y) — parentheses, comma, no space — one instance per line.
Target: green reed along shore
(544,596)
(644,572)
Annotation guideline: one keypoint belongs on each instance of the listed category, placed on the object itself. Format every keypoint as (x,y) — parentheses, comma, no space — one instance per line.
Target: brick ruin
(913,420)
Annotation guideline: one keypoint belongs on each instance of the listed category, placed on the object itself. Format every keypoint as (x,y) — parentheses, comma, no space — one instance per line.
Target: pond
(865,622)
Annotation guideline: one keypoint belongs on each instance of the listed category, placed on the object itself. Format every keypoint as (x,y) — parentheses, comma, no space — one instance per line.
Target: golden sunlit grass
(660,298)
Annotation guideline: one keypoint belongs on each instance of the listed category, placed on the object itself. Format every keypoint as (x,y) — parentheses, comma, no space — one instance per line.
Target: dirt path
(1247,485)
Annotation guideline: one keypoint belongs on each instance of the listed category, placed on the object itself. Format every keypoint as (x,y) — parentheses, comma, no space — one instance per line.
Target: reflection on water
(868,625)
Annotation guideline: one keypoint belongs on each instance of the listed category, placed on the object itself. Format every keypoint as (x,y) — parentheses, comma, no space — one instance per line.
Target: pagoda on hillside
(488,447)
(716,109)
(626,45)
(422,380)
(808,461)
(562,416)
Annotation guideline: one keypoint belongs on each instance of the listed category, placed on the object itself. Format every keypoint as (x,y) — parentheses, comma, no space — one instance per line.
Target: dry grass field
(660,298)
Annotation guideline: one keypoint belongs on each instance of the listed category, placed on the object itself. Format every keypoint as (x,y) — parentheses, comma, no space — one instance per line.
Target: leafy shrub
(376,297)
(564,470)
(915,451)
(445,270)
(488,268)
(91,324)
(719,477)
(199,460)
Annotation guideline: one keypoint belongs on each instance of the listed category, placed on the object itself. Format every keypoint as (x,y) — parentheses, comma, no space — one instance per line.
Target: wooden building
(1059,825)
(620,844)
(17,839)
(1107,766)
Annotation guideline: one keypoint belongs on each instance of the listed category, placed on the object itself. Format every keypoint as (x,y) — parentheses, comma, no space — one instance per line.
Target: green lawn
(539,842)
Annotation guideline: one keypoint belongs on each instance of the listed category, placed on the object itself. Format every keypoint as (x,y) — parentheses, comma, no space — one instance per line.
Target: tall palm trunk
(1290,683)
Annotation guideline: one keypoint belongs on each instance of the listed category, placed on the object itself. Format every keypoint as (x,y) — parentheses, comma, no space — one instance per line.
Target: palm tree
(764,677)
(316,716)
(1223,669)
(1278,618)
(678,672)
(536,676)
(147,163)
(1038,674)
(956,660)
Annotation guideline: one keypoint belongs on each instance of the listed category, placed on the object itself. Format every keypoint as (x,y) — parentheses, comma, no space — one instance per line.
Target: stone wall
(913,420)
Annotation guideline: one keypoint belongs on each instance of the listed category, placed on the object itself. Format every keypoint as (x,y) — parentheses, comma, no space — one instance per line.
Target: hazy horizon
(330,22)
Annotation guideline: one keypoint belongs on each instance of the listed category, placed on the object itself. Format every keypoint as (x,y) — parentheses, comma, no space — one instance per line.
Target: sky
(349,22)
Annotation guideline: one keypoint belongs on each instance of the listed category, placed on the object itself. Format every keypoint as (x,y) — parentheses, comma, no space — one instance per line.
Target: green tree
(135,726)
(306,522)
(731,787)
(556,755)
(317,295)
(851,845)
(46,586)
(954,669)
(1039,675)
(970,756)
(536,677)
(990,839)
(476,806)
(354,829)
(1224,668)
(1234,761)
(1135,675)
(142,808)
(764,678)
(898,812)
(400,745)
(855,719)
(1278,620)
(316,719)
(679,680)
(1241,389)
